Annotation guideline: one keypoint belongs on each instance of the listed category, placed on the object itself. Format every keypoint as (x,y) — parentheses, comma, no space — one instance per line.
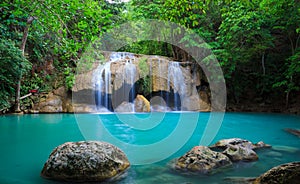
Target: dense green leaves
(61,32)
(255,42)
(12,64)
(252,40)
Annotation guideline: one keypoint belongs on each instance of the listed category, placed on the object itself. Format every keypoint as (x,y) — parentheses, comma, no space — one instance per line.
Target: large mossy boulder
(283,174)
(85,161)
(202,160)
(239,149)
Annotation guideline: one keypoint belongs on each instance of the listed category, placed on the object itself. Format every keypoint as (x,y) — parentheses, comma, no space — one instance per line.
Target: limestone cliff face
(120,78)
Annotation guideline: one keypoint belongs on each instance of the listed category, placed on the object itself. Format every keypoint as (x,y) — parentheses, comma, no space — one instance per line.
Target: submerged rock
(238,180)
(260,144)
(283,174)
(85,161)
(239,149)
(203,160)
(293,131)
(287,149)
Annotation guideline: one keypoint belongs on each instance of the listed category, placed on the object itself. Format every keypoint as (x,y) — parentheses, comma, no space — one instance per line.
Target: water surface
(26,142)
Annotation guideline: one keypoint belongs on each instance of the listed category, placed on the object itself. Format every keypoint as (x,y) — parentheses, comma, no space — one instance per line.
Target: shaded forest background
(256,43)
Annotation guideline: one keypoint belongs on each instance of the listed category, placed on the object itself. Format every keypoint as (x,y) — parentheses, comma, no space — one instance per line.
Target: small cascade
(103,88)
(160,75)
(176,84)
(103,80)
(116,56)
(129,78)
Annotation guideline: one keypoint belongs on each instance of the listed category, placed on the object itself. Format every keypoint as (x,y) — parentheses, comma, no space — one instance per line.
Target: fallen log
(25,96)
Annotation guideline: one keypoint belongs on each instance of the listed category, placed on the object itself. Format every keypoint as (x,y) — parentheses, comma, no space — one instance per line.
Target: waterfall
(129,78)
(103,80)
(160,75)
(116,56)
(176,83)
(115,82)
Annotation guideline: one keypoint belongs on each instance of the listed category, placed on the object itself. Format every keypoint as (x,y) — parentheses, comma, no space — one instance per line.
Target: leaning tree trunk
(22,48)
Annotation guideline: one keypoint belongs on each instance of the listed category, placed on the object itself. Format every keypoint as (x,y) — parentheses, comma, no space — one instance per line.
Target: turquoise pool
(27,140)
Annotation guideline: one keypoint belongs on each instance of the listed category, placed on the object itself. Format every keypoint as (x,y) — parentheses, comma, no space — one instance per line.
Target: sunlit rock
(50,104)
(141,104)
(85,161)
(204,101)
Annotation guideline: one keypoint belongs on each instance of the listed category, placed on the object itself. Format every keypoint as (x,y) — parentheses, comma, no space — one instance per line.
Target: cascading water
(176,83)
(129,78)
(110,94)
(116,56)
(103,88)
(103,80)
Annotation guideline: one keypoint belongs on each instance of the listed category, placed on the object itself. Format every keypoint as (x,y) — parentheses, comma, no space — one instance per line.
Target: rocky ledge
(85,161)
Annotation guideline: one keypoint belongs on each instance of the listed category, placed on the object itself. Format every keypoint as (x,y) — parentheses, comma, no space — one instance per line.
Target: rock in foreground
(284,174)
(239,149)
(202,160)
(85,161)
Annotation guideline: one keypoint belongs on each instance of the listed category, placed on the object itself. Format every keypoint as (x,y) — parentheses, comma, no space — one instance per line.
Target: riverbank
(263,107)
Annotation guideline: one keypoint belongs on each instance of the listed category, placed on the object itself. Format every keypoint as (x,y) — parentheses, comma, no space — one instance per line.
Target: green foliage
(144,68)
(35,81)
(251,39)
(145,82)
(12,65)
(291,75)
(244,36)
(144,85)
(69,77)
(61,32)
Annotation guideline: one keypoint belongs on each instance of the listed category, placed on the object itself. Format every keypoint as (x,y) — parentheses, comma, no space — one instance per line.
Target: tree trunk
(264,73)
(287,97)
(291,78)
(22,48)
(263,64)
